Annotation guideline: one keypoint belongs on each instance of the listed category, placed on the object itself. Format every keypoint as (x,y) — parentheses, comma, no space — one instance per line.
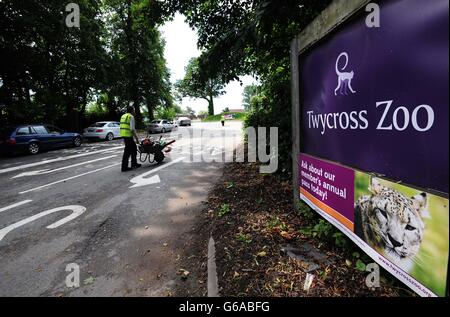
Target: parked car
(161,126)
(105,130)
(33,138)
(183,121)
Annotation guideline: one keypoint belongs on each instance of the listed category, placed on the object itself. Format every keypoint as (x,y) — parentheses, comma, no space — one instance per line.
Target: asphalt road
(125,231)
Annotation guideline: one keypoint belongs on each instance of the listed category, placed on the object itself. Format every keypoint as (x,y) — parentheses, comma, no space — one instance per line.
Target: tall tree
(195,86)
(138,55)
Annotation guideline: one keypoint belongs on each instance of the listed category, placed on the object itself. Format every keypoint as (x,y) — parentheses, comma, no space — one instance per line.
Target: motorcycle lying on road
(153,151)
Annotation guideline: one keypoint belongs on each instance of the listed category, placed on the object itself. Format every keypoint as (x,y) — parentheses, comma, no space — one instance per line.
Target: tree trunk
(151,116)
(111,108)
(211,105)
(81,113)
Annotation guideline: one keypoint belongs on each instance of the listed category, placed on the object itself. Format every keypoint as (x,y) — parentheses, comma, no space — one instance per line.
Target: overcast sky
(181,46)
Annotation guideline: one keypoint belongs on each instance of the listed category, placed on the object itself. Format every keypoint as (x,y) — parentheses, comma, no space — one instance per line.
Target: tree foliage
(47,69)
(50,72)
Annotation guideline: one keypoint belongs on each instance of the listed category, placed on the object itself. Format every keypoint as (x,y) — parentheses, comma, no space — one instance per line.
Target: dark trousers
(130,150)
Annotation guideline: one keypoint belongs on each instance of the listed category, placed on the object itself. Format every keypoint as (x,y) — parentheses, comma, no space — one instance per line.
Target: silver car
(105,130)
(161,126)
(183,121)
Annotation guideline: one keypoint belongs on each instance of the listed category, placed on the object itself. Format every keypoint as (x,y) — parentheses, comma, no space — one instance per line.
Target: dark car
(33,138)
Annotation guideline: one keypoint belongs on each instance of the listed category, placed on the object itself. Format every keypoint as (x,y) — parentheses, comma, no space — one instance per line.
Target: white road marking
(59,159)
(211,153)
(46,171)
(140,180)
(76,211)
(67,179)
(113,152)
(16,205)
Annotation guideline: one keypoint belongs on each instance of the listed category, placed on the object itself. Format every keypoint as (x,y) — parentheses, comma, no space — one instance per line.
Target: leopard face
(391,221)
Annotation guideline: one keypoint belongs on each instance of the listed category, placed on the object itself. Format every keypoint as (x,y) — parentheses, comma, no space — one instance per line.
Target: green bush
(272,108)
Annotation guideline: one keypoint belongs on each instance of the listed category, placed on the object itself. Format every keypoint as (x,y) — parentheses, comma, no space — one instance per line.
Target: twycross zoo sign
(371,132)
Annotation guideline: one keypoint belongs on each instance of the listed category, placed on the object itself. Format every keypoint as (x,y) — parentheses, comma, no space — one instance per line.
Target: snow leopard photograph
(408,227)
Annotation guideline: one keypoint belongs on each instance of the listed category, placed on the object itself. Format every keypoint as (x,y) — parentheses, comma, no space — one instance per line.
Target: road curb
(213,283)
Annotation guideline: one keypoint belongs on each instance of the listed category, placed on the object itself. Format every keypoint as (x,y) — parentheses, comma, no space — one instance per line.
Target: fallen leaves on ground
(249,237)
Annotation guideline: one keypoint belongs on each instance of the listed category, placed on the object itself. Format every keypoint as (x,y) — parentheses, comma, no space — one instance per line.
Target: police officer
(128,132)
(222,119)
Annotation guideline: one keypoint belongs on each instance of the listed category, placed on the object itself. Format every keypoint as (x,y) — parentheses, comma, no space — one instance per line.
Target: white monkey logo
(344,78)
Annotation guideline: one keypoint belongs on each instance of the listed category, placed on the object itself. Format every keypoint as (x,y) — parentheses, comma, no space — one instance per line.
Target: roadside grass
(217,117)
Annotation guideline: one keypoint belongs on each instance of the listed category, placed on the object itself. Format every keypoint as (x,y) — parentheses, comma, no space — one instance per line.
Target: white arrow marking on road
(76,211)
(67,179)
(15,205)
(46,171)
(58,159)
(140,180)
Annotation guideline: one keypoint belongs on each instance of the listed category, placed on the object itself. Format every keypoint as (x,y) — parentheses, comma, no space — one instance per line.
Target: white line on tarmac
(16,205)
(140,180)
(32,173)
(59,159)
(76,211)
(67,179)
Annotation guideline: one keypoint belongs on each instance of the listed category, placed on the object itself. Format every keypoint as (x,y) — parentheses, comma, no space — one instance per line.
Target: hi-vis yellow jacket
(125,129)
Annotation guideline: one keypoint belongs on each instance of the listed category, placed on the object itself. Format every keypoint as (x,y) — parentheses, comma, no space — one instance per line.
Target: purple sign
(331,184)
(377,99)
